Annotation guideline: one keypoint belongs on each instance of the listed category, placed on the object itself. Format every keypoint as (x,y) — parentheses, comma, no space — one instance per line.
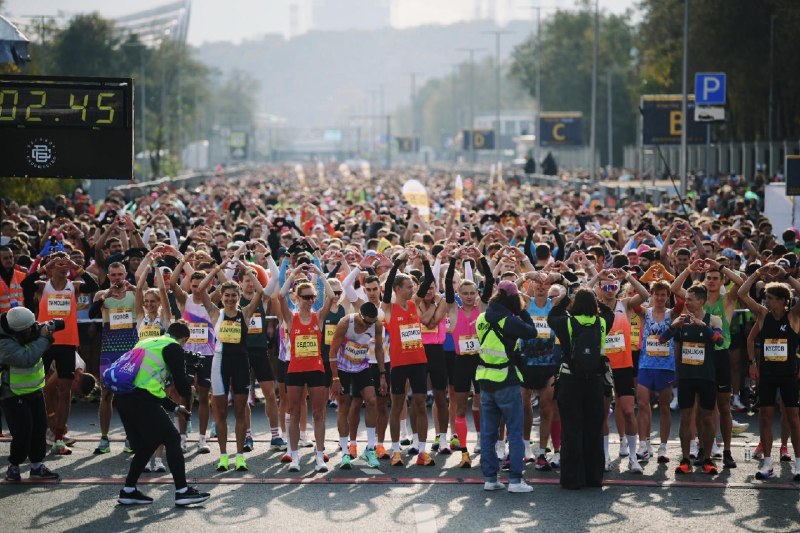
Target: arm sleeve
(332,273)
(146,235)
(561,243)
(173,357)
(427,281)
(89,283)
(528,244)
(173,238)
(488,284)
(320,301)
(387,287)
(449,292)
(348,285)
(185,245)
(436,269)
(468,272)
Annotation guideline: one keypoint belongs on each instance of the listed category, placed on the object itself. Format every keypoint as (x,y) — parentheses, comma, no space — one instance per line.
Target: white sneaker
(294,466)
(50,437)
(519,487)
(304,442)
(150,466)
(693,449)
(634,467)
(716,453)
(184,444)
(320,466)
(662,453)
(528,454)
(537,420)
(477,447)
(555,461)
(493,485)
(623,448)
(608,465)
(673,405)
(158,465)
(736,403)
(500,450)
(641,452)
(202,446)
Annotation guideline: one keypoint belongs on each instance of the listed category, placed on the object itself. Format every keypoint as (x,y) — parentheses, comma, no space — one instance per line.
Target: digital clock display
(66,127)
(62,106)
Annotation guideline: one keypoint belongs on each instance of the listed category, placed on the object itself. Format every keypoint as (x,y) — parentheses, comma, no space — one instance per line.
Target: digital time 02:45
(62,107)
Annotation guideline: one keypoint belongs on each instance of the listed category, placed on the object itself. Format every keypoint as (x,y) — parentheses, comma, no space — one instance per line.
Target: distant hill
(320,78)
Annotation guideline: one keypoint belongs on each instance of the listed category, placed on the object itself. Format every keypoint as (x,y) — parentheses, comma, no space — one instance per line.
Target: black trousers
(148,426)
(581,404)
(26,417)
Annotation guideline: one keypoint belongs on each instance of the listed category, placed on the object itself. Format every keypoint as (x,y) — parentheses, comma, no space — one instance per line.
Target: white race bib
(542,327)
(58,304)
(656,348)
(776,350)
(693,353)
(120,318)
(468,344)
(355,353)
(256,324)
(410,335)
(198,333)
(615,343)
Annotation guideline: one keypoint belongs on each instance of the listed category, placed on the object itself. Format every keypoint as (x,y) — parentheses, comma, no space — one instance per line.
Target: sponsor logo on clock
(41,153)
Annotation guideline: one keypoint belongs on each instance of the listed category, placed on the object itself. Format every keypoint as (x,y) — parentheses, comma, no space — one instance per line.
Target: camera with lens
(194,360)
(56,324)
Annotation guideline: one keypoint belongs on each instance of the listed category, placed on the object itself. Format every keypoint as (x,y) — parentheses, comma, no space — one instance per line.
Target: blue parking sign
(709,88)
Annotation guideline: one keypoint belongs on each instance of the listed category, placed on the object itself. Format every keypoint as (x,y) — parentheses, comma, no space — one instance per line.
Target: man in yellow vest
(144,413)
(499,328)
(22,343)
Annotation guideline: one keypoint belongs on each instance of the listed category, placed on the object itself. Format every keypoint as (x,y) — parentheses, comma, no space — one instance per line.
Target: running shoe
(693,449)
(738,427)
(444,450)
(662,454)
(623,448)
(436,443)
(397,459)
(527,453)
(212,434)
(184,443)
(381,452)
(535,401)
(202,446)
(69,440)
(43,473)
(645,451)
(248,444)
(710,468)
(493,485)
(466,462)
(294,466)
(727,460)
(455,444)
(133,498)
(278,444)
(304,442)
(477,447)
(765,473)
(371,458)
(150,465)
(607,467)
(424,459)
(13,474)
(224,464)
(127,448)
(542,464)
(537,420)
(344,464)
(240,465)
(736,404)
(520,487)
(500,449)
(190,496)
(634,467)
(716,453)
(673,405)
(758,454)
(286,458)
(785,457)
(411,452)
(685,467)
(555,461)
(505,466)
(103,447)
(49,437)
(158,465)
(320,466)
(352,450)
(59,448)
(405,442)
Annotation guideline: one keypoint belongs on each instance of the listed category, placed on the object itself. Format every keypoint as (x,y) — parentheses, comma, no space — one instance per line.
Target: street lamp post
(497,35)
(471,127)
(593,133)
(684,106)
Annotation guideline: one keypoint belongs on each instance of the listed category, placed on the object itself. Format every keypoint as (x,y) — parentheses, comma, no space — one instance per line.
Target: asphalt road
(404,499)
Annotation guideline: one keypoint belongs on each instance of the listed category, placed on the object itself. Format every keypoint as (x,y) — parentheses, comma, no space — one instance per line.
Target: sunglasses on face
(337,293)
(307,297)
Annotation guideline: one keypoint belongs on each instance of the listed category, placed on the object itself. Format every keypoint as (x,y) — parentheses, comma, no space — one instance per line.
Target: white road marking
(425,517)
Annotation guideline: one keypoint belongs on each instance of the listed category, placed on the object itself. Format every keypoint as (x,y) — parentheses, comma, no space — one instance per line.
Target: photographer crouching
(22,343)
(138,379)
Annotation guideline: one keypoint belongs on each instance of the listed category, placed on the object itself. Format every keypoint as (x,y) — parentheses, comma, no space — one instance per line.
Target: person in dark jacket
(583,381)
(499,328)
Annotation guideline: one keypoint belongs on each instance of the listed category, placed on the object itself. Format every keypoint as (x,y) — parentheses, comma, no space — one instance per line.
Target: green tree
(566,70)
(88,46)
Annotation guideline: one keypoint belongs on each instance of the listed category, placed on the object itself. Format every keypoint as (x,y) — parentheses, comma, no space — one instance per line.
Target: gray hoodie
(12,353)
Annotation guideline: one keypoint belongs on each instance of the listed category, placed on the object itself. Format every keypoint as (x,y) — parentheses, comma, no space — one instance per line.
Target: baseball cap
(508,287)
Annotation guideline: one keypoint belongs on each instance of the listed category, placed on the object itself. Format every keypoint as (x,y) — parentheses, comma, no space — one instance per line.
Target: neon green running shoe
(241,466)
(371,458)
(224,464)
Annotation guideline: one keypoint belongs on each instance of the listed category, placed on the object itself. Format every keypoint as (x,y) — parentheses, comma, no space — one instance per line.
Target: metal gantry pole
(610,111)
(536,142)
(684,106)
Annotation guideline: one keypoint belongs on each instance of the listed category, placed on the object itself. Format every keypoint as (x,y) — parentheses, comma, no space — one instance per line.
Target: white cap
(20,319)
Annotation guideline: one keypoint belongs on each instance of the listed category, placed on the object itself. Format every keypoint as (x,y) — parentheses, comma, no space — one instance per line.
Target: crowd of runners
(341,292)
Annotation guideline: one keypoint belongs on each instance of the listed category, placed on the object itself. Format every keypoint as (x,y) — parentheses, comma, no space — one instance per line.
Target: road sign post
(710,96)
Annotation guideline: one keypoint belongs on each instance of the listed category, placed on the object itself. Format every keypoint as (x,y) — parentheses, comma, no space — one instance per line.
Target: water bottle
(747,455)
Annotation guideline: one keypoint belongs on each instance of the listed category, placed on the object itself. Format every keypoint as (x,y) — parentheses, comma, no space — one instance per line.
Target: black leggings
(580,403)
(148,425)
(26,417)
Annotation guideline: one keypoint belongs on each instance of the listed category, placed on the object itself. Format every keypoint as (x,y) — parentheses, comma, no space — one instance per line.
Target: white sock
(632,444)
(295,455)
(320,456)
(767,463)
(415,440)
(421,446)
(343,444)
(605,445)
(371,438)
(395,447)
(443,437)
(202,438)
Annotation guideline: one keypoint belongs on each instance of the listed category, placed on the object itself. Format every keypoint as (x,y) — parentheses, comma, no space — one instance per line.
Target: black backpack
(586,358)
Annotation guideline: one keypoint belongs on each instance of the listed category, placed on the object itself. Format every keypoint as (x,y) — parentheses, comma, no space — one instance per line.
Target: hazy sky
(245,19)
